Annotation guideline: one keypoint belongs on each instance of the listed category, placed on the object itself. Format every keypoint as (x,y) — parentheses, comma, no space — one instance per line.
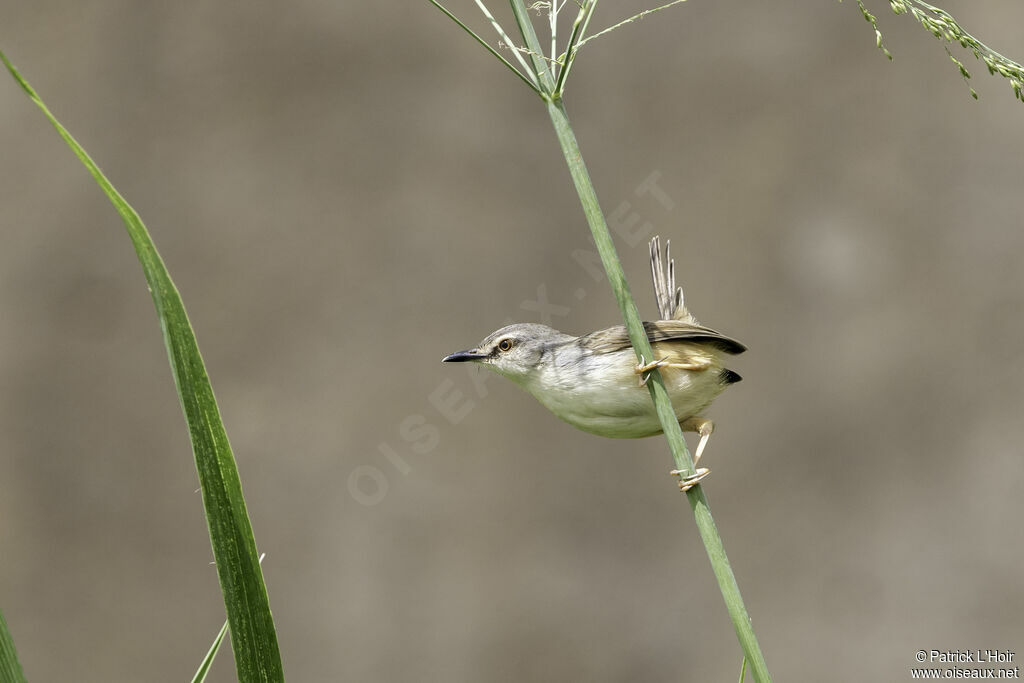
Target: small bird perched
(594,383)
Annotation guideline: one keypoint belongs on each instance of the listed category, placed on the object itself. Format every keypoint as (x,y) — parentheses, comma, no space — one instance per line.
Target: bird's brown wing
(616,339)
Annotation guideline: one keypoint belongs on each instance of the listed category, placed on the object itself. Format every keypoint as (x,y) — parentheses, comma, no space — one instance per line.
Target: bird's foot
(688,481)
(643,369)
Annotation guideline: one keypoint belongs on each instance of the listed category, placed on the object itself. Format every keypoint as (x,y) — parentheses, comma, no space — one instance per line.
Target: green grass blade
(245,596)
(10,668)
(204,666)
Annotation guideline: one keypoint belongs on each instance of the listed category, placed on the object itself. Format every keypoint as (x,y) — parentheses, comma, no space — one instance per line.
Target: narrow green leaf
(204,666)
(10,668)
(483,42)
(245,596)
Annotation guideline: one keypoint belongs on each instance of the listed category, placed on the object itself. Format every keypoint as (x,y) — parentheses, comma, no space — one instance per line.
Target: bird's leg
(643,368)
(695,364)
(702,426)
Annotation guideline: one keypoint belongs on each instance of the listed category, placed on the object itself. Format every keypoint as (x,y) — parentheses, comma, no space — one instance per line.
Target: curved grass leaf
(245,596)
(10,669)
(204,666)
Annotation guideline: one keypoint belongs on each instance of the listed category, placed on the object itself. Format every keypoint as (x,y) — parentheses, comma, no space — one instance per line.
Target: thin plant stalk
(504,36)
(487,47)
(630,20)
(551,88)
(579,27)
(553,25)
(669,422)
(540,65)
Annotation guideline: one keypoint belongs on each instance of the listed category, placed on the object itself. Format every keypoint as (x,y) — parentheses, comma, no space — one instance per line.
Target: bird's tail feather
(668,297)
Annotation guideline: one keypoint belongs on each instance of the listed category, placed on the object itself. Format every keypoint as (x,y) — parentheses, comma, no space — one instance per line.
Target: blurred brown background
(345,192)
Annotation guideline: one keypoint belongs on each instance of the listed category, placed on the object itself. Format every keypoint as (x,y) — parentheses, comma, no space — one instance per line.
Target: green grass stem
(670,424)
(579,27)
(540,65)
(551,88)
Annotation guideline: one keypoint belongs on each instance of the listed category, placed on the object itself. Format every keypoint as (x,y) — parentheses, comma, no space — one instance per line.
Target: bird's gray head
(514,351)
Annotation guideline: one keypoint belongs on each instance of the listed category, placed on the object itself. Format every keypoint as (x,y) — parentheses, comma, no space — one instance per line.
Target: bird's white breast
(601,394)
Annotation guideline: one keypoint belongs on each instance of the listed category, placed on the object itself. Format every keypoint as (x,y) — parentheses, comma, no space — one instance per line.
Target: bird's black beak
(464,356)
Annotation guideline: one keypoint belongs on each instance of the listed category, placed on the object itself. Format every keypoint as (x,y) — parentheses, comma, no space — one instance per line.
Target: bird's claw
(688,481)
(644,369)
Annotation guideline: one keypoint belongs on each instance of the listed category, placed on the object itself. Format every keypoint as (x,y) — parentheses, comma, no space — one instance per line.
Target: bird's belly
(617,406)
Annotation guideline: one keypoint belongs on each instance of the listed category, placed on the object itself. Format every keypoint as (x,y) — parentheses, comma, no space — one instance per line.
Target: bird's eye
(505,345)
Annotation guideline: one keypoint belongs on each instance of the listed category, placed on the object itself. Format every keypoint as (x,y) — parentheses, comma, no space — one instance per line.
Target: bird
(593,381)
